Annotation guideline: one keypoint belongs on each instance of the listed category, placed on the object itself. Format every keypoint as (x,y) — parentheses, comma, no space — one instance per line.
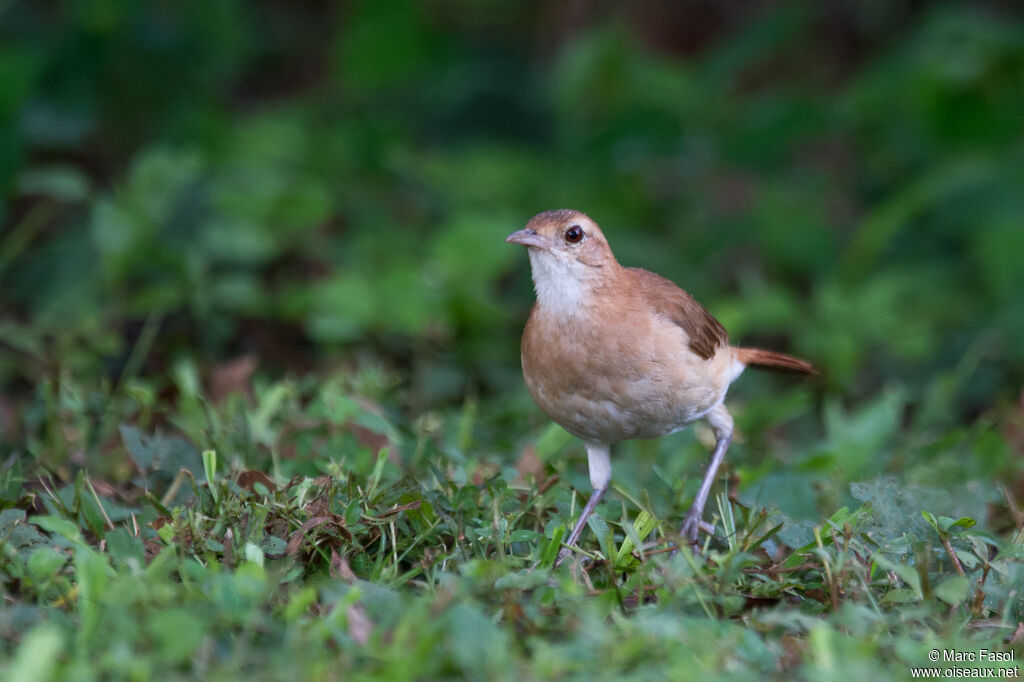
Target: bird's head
(569,257)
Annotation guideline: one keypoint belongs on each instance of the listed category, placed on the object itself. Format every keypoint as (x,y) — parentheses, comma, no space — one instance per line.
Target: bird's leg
(578,529)
(721,424)
(600,477)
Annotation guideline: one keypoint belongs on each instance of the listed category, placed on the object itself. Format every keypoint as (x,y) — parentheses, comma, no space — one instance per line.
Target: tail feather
(776,362)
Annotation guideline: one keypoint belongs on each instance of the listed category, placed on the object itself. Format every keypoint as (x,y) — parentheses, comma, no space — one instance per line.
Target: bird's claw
(564,554)
(693,524)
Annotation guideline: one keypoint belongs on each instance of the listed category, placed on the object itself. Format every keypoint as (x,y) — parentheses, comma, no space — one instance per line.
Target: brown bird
(613,353)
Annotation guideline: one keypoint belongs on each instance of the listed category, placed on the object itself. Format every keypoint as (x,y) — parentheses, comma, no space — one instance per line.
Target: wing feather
(706,334)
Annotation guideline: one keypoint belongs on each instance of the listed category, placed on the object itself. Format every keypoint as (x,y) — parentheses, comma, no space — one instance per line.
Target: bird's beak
(528,238)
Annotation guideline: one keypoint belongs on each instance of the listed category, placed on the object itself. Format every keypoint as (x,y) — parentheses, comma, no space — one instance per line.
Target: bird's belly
(647,407)
(629,377)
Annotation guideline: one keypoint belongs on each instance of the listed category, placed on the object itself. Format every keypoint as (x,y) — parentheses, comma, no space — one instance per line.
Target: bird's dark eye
(574,234)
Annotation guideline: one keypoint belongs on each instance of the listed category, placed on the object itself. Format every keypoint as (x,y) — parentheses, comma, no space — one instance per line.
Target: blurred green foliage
(275,231)
(341,177)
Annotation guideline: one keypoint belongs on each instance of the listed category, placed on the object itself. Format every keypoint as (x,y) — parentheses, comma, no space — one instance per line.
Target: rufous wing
(706,334)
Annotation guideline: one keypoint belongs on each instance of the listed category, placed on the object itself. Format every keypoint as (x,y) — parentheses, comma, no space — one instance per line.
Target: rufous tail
(776,362)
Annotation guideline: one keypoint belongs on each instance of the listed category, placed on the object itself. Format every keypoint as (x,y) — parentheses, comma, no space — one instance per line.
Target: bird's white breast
(560,283)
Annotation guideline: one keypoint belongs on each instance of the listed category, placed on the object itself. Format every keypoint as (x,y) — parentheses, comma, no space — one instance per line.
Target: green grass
(290,548)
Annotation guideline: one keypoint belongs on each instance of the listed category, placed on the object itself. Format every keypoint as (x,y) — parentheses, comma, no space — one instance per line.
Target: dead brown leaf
(370,439)
(151,549)
(332,520)
(340,568)
(233,376)
(1013,427)
(9,418)
(318,506)
(249,479)
(359,626)
(529,464)
(405,507)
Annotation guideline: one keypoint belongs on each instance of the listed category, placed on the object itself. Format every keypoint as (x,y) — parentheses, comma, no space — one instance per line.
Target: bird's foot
(693,524)
(564,554)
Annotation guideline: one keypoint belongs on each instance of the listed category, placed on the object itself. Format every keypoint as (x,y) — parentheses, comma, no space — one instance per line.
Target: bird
(613,353)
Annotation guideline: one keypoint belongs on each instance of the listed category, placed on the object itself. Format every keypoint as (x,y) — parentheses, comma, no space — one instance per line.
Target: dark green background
(309,181)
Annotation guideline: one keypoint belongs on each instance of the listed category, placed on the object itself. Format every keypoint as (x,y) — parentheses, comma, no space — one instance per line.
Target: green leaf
(124,547)
(62,183)
(253,553)
(1011,552)
(900,595)
(9,518)
(177,632)
(523,535)
(952,590)
(299,603)
(968,559)
(210,467)
(159,452)
(38,655)
(475,641)
(63,527)
(855,437)
(378,471)
(603,533)
(45,562)
(526,579)
(636,533)
(907,573)
(93,574)
(946,523)
(273,545)
(550,552)
(270,403)
(166,533)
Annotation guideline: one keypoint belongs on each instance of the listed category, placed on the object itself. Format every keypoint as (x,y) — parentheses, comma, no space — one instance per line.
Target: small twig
(833,583)
(394,544)
(53,495)
(110,524)
(21,234)
(139,353)
(175,484)
(394,510)
(979,594)
(952,555)
(651,552)
(779,570)
(1015,510)
(546,485)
